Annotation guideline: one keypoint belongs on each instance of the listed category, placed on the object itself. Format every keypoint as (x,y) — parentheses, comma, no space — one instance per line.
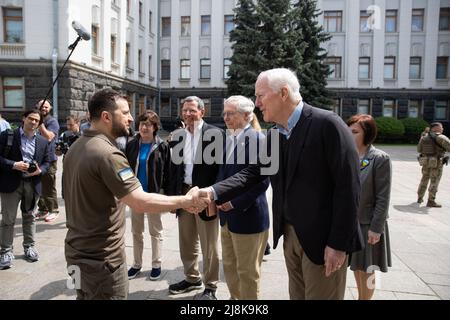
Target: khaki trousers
(192,232)
(242,255)
(155,228)
(49,199)
(307,280)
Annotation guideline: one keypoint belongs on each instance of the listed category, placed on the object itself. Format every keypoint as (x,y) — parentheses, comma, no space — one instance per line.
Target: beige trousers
(155,228)
(307,280)
(242,255)
(193,234)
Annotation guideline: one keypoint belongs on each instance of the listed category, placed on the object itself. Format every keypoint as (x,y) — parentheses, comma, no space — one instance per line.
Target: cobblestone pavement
(420,242)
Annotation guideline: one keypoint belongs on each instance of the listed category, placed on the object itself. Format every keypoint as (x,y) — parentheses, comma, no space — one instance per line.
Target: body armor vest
(429,147)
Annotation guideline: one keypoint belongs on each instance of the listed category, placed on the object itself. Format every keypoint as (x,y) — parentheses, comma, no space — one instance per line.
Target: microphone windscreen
(81,31)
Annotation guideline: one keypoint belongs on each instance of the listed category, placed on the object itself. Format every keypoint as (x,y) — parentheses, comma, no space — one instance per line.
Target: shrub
(413,128)
(389,129)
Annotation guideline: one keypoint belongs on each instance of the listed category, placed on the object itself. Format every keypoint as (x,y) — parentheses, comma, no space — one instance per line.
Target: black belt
(27,179)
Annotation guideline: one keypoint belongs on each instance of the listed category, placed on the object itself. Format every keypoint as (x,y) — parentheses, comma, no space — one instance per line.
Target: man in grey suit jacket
(315,191)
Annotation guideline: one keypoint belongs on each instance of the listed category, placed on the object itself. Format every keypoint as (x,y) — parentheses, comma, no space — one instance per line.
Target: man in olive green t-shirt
(99,183)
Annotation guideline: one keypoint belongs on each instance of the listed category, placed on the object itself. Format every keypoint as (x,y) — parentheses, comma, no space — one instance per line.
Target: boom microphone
(82,32)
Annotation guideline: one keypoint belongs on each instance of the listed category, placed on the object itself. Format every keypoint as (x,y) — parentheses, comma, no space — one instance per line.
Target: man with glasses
(24,158)
(199,229)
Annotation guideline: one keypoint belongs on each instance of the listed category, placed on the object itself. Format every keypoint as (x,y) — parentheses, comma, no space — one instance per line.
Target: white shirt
(190,147)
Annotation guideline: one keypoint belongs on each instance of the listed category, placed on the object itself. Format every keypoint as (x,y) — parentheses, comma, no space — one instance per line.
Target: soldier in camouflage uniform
(432,147)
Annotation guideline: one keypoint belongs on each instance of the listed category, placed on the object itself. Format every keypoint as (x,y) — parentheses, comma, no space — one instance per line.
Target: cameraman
(69,136)
(24,158)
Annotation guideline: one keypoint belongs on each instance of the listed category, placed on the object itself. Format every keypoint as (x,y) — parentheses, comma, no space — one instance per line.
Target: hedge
(413,128)
(390,130)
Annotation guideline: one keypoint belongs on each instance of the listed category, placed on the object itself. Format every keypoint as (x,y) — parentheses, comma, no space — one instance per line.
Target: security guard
(432,147)
(98,175)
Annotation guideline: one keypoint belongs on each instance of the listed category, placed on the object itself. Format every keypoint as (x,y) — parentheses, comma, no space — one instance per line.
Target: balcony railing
(8,50)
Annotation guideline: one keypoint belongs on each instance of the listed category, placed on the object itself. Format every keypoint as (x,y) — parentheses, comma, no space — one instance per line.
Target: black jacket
(10,178)
(203,174)
(158,163)
(317,187)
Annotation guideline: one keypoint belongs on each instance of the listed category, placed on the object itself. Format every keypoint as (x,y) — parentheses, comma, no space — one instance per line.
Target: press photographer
(24,158)
(69,136)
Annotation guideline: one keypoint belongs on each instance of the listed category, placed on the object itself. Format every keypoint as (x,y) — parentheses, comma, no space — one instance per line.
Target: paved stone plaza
(420,242)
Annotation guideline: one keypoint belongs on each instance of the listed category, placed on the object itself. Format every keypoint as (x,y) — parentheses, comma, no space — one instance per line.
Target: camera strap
(9,143)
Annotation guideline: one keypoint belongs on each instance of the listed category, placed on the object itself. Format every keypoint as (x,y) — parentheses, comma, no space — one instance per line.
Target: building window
(415,67)
(226,68)
(228,24)
(128,7)
(113,48)
(389,67)
(165,69)
(95,39)
(206,25)
(12,25)
(440,110)
(364,68)
(389,108)
(165,107)
(391,21)
(150,21)
(149,66)
(414,108)
(334,64)
(207,103)
(444,19)
(205,68)
(364,21)
(185,68)
(336,106)
(127,55)
(13,93)
(141,12)
(332,21)
(165,26)
(141,67)
(417,20)
(442,68)
(363,106)
(185,26)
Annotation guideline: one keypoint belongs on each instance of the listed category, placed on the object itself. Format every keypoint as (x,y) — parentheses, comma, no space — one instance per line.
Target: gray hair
(280,77)
(243,105)
(200,103)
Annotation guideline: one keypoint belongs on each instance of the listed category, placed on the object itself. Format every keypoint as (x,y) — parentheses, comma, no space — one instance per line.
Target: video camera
(62,146)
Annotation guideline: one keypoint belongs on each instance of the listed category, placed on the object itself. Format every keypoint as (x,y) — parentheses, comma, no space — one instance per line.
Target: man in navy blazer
(244,220)
(24,157)
(315,191)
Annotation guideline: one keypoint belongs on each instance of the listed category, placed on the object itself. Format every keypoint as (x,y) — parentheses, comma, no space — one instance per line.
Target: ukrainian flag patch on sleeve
(126,174)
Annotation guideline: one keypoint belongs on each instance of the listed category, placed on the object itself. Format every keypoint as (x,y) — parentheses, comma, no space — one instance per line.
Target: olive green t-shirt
(96,174)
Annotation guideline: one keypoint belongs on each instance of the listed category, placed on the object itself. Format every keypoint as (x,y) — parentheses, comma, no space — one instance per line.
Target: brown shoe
(432,204)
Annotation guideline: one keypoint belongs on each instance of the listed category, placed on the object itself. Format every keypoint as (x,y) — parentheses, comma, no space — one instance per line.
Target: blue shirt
(4,125)
(28,146)
(51,124)
(292,121)
(144,152)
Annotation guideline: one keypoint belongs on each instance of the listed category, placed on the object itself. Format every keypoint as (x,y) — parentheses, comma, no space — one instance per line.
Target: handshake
(199,200)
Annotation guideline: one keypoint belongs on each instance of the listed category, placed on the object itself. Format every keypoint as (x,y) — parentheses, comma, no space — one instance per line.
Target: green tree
(276,34)
(311,71)
(244,67)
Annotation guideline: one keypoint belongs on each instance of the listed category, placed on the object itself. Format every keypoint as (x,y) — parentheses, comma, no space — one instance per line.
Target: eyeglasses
(228,114)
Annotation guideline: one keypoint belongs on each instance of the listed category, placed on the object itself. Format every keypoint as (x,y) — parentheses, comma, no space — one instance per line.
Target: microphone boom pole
(72,48)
